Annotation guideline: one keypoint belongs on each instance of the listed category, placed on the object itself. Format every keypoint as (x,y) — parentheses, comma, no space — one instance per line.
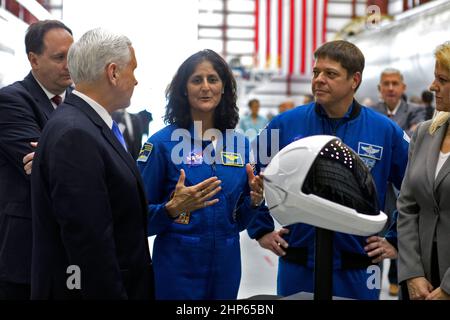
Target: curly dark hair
(226,114)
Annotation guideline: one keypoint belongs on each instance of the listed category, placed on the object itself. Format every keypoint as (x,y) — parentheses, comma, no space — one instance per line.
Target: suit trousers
(14,291)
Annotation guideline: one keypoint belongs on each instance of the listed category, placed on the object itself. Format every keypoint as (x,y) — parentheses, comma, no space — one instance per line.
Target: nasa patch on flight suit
(370,154)
(145,152)
(195,158)
(232,159)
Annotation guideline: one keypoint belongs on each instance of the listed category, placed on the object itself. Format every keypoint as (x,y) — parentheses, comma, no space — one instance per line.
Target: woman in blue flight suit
(201,189)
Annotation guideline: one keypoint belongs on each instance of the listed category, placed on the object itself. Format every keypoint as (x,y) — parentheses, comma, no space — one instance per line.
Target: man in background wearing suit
(145,117)
(88,200)
(25,107)
(392,87)
(130,126)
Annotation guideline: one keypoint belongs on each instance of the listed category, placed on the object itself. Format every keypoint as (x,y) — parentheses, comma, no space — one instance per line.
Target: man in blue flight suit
(381,144)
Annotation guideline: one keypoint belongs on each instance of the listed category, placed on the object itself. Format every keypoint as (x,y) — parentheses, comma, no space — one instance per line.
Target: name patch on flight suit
(232,159)
(145,152)
(370,154)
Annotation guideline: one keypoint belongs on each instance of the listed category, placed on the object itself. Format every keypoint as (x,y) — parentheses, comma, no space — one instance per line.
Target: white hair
(389,71)
(88,57)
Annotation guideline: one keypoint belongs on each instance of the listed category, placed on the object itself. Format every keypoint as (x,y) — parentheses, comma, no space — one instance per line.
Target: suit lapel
(126,156)
(106,131)
(38,94)
(445,169)
(433,153)
(401,115)
(130,162)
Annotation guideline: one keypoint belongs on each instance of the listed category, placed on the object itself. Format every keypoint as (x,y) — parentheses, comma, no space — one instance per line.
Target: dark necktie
(56,100)
(115,129)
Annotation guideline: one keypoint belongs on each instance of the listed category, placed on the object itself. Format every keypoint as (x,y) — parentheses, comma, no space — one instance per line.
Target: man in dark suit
(89,206)
(25,107)
(130,126)
(145,117)
(392,88)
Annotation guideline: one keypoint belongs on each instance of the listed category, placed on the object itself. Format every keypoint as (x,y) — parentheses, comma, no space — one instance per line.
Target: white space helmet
(320,181)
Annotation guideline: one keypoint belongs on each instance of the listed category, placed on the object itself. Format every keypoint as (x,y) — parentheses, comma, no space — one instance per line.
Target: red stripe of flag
(291,37)
(324,21)
(280,33)
(314,35)
(256,33)
(268,33)
(303,40)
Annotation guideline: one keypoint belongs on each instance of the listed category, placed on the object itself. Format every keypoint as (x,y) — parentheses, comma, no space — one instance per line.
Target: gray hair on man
(391,71)
(88,57)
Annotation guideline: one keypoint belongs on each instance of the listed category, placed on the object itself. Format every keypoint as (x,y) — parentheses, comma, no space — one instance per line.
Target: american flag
(287,32)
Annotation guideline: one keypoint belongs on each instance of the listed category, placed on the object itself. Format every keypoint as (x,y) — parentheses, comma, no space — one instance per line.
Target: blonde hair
(442,55)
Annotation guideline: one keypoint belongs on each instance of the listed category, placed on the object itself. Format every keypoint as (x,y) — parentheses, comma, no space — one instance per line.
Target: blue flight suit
(197,257)
(383,147)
